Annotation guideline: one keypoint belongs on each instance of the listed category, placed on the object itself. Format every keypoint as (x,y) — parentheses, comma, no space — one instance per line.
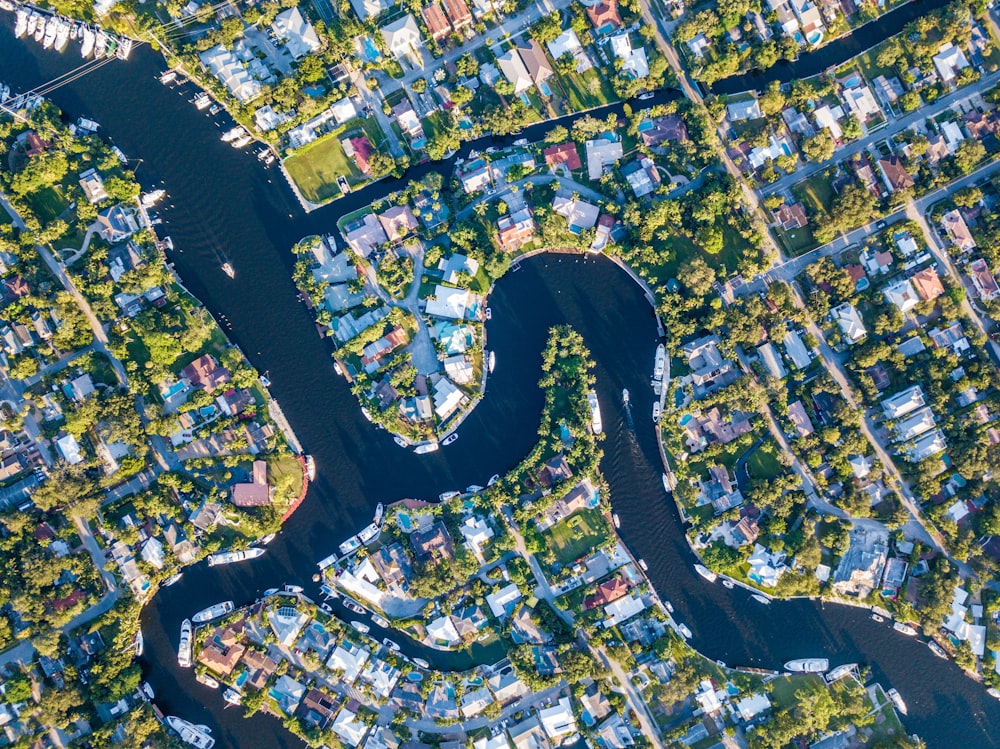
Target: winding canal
(223,205)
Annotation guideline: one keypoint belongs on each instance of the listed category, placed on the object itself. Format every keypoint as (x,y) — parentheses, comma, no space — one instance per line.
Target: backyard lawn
(816,193)
(763,462)
(316,167)
(47,203)
(578,534)
(585,90)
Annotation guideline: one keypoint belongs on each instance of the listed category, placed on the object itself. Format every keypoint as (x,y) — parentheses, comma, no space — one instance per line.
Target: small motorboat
(761,598)
(392,645)
(473,488)
(351,605)
(400,441)
(361,627)
(228,269)
(232,696)
(728,584)
(489,313)
(147,691)
(616,520)
(421,662)
(492,361)
(450,438)
(877,618)
(381,621)
(684,630)
(295,589)
(493,479)
(207,680)
(445,496)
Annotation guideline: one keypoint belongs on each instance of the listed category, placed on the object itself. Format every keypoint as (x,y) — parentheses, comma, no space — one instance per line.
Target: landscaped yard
(584,90)
(47,204)
(316,167)
(816,193)
(577,535)
(796,241)
(763,462)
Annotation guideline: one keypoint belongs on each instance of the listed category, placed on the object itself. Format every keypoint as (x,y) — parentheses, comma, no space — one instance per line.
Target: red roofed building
(35,145)
(62,604)
(256,493)
(856,272)
(222,653)
(563,154)
(459,13)
(206,373)
(927,284)
(607,592)
(605,14)
(437,23)
(362,150)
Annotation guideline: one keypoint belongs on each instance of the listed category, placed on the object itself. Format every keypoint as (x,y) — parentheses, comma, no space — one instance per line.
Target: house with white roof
(948,61)
(349,728)
(558,720)
(298,35)
(828,118)
(348,659)
(602,152)
(569,42)
(476,532)
(771,360)
(903,402)
(766,566)
(287,622)
(861,102)
(915,424)
(752,706)
(902,294)
(634,62)
(380,676)
(452,303)
(746,109)
(930,444)
(623,609)
(447,398)
(850,322)
(502,601)
(579,214)
(796,350)
(228,68)
(69,449)
(442,633)
(402,37)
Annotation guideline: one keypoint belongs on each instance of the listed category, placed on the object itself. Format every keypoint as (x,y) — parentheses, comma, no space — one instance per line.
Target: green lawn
(815,192)
(316,167)
(47,203)
(763,462)
(578,535)
(785,687)
(584,90)
(796,241)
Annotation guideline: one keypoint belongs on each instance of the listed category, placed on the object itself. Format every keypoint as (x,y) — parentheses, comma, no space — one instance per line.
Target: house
(475,176)
(117,224)
(860,569)
(457,265)
(260,668)
(948,61)
(889,89)
(927,284)
(409,122)
(918,422)
(894,174)
(903,402)
(296,32)
(765,566)
(602,152)
(442,633)
(698,45)
(431,544)
(608,591)
(905,243)
(392,564)
(850,322)
(537,64)
(902,294)
(566,153)
(634,61)
(515,71)
(152,552)
(381,676)
(447,398)
(458,13)
(501,602)
(222,652)
(69,449)
(568,43)
(642,176)
(708,366)
(452,303)
(317,709)
(800,419)
(93,186)
(436,21)
(256,493)
(402,37)
(771,360)
(349,728)
(797,122)
(365,234)
(558,720)
(476,532)
(398,222)
(718,490)
(828,118)
(937,149)
(861,102)
(983,279)
(579,214)
(515,230)
(745,109)
(604,16)
(791,217)
(366,8)
(348,660)
(956,228)
(267,119)
(796,350)
(930,444)
(206,373)
(506,687)
(359,149)
(670,128)
(375,352)
(79,387)
(230,71)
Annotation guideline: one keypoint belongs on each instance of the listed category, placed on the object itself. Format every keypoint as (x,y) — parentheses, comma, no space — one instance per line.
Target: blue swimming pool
(852,81)
(369,50)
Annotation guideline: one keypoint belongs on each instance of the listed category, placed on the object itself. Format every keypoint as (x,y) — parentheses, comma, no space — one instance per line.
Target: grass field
(316,167)
(585,90)
(577,535)
(47,204)
(763,462)
(815,192)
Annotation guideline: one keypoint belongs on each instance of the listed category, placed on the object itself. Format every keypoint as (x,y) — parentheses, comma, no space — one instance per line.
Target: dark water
(832,54)
(223,205)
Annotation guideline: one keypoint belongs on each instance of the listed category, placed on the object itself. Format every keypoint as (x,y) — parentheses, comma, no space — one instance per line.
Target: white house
(902,294)
(850,322)
(501,600)
(297,33)
(948,61)
(402,37)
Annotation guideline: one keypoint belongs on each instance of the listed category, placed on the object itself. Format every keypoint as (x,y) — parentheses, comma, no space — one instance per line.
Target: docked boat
(51,29)
(369,534)
(350,546)
(473,488)
(202,101)
(624,396)
(207,680)
(616,520)
(270,592)
(897,700)
(666,482)
(40,29)
(20,23)
(656,411)
(877,618)
(937,650)
(198,736)
(904,629)
(659,361)
(391,644)
(62,35)
(269,159)
(595,412)
(706,573)
(294,589)
(172,579)
(184,648)
(213,612)
(310,467)
(100,43)
(379,514)
(427,447)
(421,662)
(808,665)
(994,693)
(87,125)
(728,584)
(400,441)
(840,672)
(124,48)
(451,438)
(445,496)
(31,24)
(267,539)
(489,313)
(228,269)
(668,606)
(361,627)
(242,142)
(657,386)
(327,561)
(493,479)
(381,621)
(351,605)
(642,563)
(140,644)
(492,361)
(229,557)
(147,691)
(214,109)
(149,199)
(233,134)
(232,696)
(168,76)
(120,154)
(87,45)
(684,630)
(761,598)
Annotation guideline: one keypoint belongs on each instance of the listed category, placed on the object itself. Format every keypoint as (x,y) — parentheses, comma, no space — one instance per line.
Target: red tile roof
(566,153)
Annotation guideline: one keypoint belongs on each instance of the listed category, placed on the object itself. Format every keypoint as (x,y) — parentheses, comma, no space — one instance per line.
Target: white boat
(684,630)
(233,133)
(445,496)
(489,313)
(202,101)
(369,533)
(493,479)
(616,520)
(379,514)
(839,672)
(21,24)
(994,693)
(661,356)
(728,584)
(904,629)
(310,467)
(124,48)
(381,621)
(391,644)
(656,411)
(51,29)
(421,662)
(351,605)
(229,557)
(350,546)
(666,482)
(897,700)
(642,563)
(140,644)
(492,361)
(293,589)
(668,606)
(937,650)
(149,199)
(450,439)
(270,592)
(184,648)
(213,612)
(228,269)
(267,539)
(595,412)
(761,598)
(242,141)
(207,680)
(427,447)
(327,561)
(120,154)
(62,35)
(400,441)
(877,618)
(32,23)
(808,665)
(197,736)
(40,29)
(147,691)
(361,627)
(706,573)
(269,159)
(87,45)
(624,396)
(232,696)
(88,125)
(172,579)
(168,76)
(100,43)
(657,387)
